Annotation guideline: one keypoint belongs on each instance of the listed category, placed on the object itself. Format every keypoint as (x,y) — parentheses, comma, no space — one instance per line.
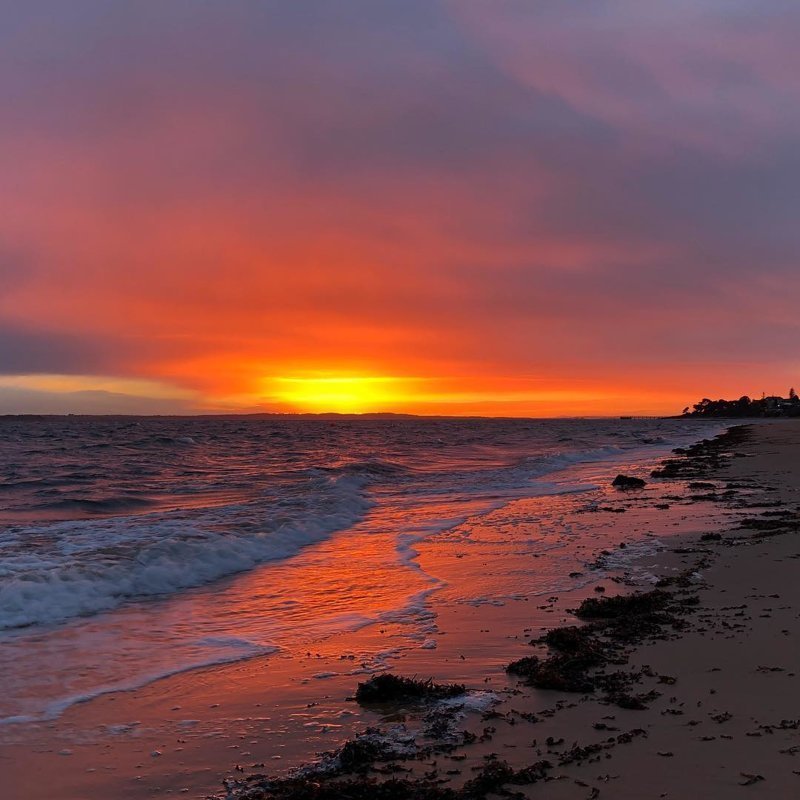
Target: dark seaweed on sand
(702,458)
(388,688)
(491,779)
(579,652)
(581,659)
(350,789)
(623,605)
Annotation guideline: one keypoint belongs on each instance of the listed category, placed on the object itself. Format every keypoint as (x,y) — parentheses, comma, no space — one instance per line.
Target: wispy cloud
(215,194)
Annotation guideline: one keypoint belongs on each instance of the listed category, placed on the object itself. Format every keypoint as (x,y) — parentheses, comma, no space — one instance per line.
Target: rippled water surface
(133,548)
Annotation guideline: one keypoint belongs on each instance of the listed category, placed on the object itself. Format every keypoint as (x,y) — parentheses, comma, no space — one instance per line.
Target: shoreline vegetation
(588,665)
(772,406)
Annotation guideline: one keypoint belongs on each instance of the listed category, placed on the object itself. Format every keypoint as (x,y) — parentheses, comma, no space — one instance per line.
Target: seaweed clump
(623,605)
(490,780)
(579,653)
(628,619)
(704,457)
(576,650)
(557,673)
(388,688)
(347,789)
(627,482)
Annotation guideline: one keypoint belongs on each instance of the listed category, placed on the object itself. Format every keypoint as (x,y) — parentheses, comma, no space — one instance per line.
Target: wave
(182,440)
(109,505)
(98,565)
(370,468)
(238,650)
(37,483)
(537,466)
(140,442)
(52,573)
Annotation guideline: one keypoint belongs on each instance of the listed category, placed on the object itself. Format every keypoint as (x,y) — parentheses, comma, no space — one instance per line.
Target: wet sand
(730,722)
(184,734)
(720,715)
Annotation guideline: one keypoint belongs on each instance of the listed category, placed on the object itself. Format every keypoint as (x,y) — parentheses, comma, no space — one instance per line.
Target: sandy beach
(717,692)
(720,694)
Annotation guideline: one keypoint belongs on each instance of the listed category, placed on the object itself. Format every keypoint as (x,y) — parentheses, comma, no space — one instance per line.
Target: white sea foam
(51,573)
(242,650)
(96,565)
(472,701)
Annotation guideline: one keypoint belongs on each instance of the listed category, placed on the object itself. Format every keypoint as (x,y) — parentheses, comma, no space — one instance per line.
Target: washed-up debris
(628,482)
(387,688)
(701,458)
(490,779)
(623,605)
(579,653)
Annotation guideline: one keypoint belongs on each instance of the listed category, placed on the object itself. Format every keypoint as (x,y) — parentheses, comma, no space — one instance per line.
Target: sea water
(136,548)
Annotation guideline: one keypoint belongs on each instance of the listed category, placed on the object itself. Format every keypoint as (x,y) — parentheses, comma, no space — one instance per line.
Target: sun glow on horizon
(67,384)
(342,394)
(242,386)
(358,394)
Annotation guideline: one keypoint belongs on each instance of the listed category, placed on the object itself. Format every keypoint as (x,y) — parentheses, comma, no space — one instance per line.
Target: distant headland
(772,406)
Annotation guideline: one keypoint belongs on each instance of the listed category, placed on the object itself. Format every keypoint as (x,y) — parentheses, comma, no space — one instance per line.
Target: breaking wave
(244,493)
(94,566)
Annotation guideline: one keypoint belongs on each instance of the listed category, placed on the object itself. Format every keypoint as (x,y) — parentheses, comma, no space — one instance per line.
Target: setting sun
(342,394)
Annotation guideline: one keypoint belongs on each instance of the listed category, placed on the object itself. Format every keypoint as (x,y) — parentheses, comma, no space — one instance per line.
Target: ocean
(132,549)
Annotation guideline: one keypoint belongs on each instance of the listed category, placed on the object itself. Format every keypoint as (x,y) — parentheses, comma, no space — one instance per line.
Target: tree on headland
(772,406)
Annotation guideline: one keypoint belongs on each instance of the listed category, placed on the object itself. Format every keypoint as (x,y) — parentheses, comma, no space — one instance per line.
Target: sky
(503,207)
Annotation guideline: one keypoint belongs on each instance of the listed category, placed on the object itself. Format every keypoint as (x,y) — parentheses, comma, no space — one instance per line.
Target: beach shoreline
(470,643)
(714,693)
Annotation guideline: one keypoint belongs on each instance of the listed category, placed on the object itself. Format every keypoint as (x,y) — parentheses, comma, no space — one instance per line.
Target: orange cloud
(419,203)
